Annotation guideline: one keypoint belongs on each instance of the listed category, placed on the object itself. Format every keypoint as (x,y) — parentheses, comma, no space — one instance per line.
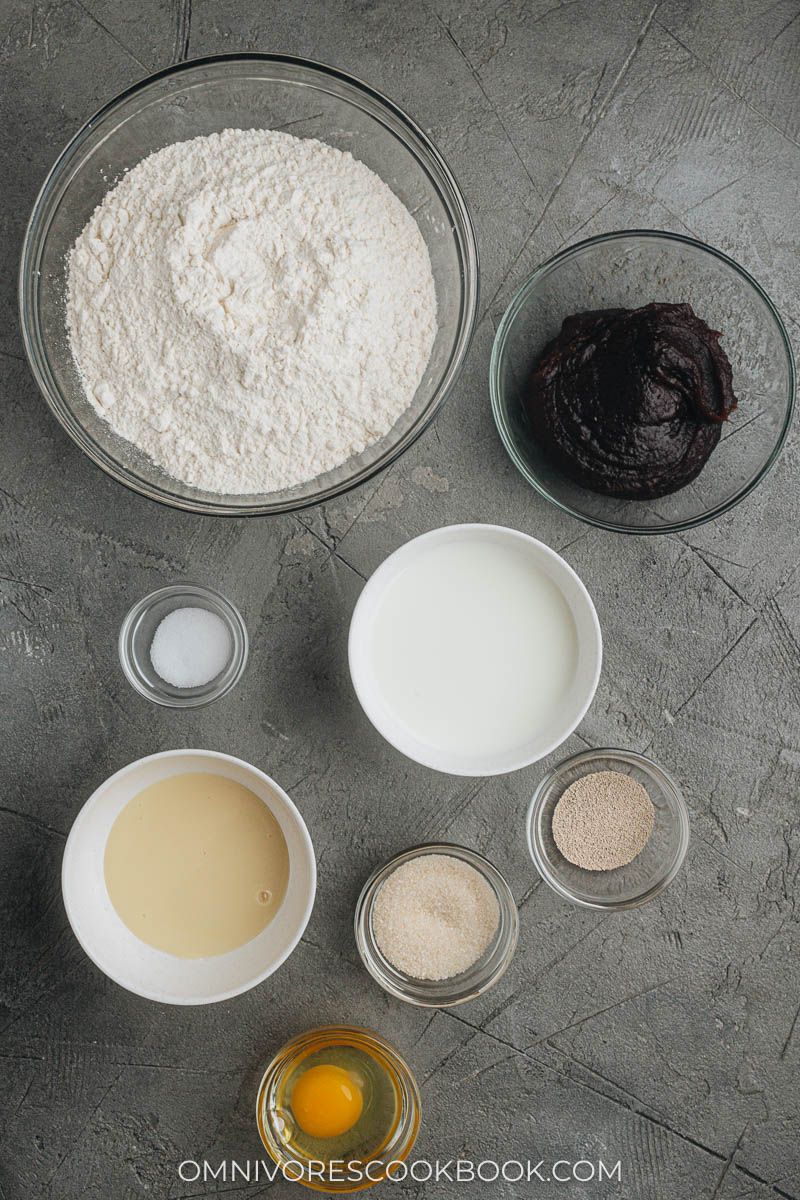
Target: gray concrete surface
(667,1037)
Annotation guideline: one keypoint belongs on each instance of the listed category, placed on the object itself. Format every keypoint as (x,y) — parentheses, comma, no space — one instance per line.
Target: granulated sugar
(603,821)
(434,917)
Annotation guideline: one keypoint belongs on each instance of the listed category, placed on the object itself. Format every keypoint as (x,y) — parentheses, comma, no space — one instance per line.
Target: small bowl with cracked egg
(188,877)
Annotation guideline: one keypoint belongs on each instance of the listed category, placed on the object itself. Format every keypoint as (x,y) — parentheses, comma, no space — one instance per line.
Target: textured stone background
(667,1037)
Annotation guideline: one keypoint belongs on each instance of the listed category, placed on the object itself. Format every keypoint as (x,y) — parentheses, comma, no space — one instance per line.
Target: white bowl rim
(376,580)
(213,756)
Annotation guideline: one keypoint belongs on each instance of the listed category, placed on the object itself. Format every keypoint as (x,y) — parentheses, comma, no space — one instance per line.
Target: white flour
(250,309)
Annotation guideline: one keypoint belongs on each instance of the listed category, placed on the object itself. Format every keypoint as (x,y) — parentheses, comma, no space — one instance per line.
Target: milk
(472,647)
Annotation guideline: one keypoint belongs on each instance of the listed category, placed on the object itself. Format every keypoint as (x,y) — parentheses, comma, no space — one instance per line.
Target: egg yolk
(326,1101)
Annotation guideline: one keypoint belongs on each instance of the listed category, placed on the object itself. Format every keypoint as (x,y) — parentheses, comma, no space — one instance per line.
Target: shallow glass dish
(275,1123)
(649,873)
(265,91)
(136,638)
(627,270)
(439,993)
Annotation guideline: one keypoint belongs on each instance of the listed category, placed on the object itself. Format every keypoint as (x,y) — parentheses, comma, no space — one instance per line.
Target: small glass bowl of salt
(183,645)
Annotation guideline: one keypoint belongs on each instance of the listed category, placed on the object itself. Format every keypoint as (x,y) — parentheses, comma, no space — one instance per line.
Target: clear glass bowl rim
(38,225)
(588,756)
(367,898)
(230,676)
(496,388)
(353,1034)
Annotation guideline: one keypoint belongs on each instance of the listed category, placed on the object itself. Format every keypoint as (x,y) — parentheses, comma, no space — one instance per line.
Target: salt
(191,647)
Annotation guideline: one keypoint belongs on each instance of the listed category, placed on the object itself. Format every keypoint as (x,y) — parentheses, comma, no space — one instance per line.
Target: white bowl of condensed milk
(188,877)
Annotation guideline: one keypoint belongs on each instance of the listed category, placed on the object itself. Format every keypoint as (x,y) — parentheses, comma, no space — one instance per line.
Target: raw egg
(326,1101)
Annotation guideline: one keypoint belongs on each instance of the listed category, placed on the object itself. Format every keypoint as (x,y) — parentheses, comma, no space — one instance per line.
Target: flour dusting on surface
(250,309)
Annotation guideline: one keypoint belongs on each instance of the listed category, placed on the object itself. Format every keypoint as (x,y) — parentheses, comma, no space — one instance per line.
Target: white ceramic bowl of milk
(475,649)
(111,944)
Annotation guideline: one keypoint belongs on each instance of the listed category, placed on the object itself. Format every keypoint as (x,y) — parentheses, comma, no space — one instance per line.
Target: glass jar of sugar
(478,897)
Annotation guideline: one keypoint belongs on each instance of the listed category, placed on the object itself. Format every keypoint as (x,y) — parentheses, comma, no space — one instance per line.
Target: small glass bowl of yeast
(338,1109)
(649,872)
(476,979)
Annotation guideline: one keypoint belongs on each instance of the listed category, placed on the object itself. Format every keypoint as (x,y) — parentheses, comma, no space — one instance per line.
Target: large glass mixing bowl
(268,91)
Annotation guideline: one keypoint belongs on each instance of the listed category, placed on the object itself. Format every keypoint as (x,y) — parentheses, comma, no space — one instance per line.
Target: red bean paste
(630,402)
